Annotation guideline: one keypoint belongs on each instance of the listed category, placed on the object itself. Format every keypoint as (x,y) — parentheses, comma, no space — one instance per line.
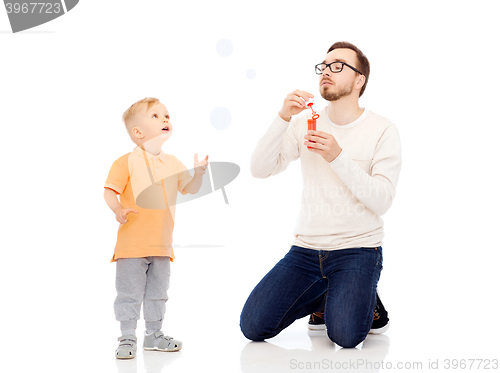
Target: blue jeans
(297,285)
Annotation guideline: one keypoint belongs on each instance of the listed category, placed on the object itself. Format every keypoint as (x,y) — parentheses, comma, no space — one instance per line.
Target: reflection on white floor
(323,355)
(73,329)
(213,342)
(295,349)
(148,361)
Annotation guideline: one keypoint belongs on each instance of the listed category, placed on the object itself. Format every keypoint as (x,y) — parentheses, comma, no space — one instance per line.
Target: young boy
(144,245)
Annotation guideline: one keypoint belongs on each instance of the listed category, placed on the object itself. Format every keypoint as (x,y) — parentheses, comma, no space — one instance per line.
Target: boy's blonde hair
(147,102)
(132,110)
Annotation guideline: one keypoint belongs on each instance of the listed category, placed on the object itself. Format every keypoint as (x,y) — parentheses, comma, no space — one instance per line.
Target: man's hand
(323,144)
(121,214)
(294,104)
(200,166)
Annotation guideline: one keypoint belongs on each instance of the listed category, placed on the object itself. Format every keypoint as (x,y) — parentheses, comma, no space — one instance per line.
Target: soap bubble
(251,73)
(220,118)
(224,47)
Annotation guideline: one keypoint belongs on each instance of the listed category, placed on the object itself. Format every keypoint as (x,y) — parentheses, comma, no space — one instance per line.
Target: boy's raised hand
(200,166)
(121,215)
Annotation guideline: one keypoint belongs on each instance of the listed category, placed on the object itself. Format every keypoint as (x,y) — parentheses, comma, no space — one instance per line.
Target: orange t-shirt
(148,184)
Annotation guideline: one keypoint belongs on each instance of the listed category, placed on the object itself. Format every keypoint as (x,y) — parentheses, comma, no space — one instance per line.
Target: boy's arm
(199,170)
(116,207)
(195,184)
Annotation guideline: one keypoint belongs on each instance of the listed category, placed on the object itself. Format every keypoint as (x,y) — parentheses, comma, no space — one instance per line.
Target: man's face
(334,86)
(154,123)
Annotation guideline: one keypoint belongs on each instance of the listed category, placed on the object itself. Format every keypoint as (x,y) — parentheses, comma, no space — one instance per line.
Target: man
(350,168)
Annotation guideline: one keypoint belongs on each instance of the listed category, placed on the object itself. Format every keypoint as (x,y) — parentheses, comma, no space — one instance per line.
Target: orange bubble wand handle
(311,123)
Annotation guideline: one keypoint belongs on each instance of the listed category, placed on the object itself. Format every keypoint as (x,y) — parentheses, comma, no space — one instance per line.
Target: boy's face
(152,123)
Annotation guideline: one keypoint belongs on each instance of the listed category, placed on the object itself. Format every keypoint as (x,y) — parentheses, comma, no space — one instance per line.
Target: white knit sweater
(342,201)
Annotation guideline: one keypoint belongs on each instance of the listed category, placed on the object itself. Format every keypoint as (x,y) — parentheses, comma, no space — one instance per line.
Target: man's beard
(335,96)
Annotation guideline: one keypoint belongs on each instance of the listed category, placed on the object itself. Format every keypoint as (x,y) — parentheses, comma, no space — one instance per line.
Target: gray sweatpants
(142,280)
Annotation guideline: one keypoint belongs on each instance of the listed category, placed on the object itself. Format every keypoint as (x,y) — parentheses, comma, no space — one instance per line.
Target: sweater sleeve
(375,190)
(275,150)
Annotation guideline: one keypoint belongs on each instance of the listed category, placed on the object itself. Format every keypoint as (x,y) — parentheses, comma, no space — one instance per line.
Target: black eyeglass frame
(335,72)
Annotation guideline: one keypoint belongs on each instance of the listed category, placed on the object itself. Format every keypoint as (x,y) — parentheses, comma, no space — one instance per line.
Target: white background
(65,84)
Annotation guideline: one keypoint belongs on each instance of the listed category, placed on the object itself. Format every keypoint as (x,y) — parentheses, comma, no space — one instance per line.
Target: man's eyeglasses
(335,67)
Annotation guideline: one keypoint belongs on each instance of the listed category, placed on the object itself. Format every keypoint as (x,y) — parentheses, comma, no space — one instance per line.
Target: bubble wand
(311,122)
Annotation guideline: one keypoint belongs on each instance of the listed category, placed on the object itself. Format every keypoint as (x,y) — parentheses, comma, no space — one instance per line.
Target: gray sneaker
(127,347)
(159,342)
